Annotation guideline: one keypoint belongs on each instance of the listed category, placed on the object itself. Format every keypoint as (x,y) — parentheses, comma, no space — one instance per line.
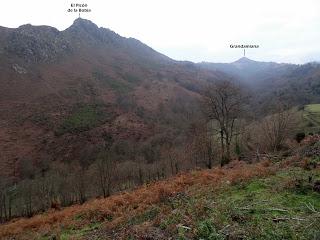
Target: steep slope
(63,92)
(258,201)
(302,85)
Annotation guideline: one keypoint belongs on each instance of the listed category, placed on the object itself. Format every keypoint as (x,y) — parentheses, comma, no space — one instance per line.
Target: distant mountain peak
(83,24)
(244,60)
(85,30)
(46,44)
(81,21)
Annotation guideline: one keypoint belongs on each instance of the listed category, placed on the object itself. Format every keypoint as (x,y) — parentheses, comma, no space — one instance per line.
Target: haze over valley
(105,137)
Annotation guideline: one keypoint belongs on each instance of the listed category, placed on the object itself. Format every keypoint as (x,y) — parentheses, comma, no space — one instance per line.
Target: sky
(192,30)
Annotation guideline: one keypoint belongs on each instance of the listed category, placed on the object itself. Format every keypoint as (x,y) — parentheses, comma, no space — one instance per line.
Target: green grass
(282,206)
(146,216)
(78,233)
(311,115)
(72,233)
(313,108)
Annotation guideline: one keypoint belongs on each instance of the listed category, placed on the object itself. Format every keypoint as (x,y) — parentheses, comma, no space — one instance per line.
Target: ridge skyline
(81,20)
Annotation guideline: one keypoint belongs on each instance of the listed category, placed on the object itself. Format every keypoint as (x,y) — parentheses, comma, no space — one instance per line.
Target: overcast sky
(194,30)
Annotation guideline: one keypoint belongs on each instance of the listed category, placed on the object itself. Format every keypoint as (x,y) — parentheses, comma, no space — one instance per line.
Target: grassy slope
(268,208)
(313,108)
(311,114)
(246,201)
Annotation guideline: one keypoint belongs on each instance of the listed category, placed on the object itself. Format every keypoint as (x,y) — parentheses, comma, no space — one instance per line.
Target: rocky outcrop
(37,44)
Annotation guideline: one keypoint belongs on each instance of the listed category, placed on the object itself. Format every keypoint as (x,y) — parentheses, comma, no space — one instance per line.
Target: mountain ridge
(47,73)
(85,23)
(73,98)
(48,77)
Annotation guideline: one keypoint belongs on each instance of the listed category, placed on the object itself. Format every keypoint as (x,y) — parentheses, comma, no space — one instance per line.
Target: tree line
(226,129)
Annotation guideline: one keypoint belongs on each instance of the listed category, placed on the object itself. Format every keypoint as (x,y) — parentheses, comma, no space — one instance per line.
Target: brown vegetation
(126,116)
(126,204)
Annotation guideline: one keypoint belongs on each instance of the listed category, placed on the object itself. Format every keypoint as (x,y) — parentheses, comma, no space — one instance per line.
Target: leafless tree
(224,103)
(203,148)
(105,167)
(277,127)
(80,183)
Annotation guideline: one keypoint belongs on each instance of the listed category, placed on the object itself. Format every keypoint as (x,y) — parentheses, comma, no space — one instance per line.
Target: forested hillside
(86,114)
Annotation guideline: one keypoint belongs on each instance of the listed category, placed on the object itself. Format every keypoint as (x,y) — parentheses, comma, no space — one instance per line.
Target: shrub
(206,230)
(83,118)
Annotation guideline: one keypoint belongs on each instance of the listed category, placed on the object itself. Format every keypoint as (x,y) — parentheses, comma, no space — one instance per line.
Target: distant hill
(293,84)
(250,71)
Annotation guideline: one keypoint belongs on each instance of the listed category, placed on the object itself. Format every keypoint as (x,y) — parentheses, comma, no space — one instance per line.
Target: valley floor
(240,201)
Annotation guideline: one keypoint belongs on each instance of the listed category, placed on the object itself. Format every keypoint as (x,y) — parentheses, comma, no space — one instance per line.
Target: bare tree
(223,105)
(80,183)
(7,195)
(105,167)
(203,148)
(277,127)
